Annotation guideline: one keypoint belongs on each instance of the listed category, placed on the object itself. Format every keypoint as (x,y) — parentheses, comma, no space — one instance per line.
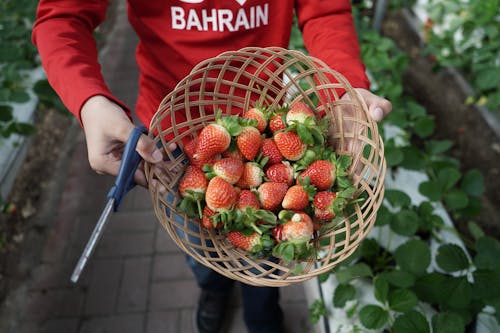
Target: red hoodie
(175,35)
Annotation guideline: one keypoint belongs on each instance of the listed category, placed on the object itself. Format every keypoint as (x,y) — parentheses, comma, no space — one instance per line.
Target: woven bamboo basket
(233,82)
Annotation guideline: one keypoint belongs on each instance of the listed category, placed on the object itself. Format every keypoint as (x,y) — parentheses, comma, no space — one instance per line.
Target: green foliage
(317,310)
(18,55)
(465,35)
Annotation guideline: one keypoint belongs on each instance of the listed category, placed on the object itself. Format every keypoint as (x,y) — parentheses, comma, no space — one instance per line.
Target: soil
(28,193)
(443,94)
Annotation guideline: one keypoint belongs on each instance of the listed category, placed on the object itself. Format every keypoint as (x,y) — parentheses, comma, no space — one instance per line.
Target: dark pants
(261,310)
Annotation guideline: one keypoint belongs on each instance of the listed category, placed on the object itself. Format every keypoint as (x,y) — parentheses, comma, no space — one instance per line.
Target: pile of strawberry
(266,180)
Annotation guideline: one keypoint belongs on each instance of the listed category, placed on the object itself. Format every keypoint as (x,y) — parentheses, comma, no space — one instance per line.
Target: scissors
(124,182)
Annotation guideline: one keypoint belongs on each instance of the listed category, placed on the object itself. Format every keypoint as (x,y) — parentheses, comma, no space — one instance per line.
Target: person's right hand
(107,129)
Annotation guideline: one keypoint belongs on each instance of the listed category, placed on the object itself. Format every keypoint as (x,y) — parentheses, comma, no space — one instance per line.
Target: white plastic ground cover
(13,149)
(407,181)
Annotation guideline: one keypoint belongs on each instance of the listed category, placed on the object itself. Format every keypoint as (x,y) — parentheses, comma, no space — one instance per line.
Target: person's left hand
(378,107)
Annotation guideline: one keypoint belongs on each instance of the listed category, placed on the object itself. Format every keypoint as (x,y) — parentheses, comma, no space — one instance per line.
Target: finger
(379,107)
(147,148)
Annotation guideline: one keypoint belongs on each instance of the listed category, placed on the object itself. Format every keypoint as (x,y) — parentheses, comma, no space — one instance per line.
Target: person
(175,35)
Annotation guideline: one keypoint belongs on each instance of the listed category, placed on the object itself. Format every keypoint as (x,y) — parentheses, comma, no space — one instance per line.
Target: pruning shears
(124,182)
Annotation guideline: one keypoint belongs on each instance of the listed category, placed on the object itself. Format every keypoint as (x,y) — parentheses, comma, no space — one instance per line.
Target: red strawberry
(192,188)
(190,150)
(280,173)
(249,141)
(247,199)
(271,151)
(250,243)
(214,139)
(251,177)
(259,115)
(207,221)
(298,229)
(299,112)
(278,232)
(323,205)
(229,169)
(271,194)
(298,196)
(234,153)
(290,145)
(321,174)
(277,123)
(220,195)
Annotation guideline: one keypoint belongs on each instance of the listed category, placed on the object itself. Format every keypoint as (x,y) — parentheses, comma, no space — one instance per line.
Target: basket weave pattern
(234,82)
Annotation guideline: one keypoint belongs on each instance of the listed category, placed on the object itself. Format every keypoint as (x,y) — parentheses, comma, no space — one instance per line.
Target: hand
(107,129)
(378,107)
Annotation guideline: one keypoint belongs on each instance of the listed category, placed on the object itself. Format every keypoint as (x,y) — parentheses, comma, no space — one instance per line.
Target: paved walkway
(138,280)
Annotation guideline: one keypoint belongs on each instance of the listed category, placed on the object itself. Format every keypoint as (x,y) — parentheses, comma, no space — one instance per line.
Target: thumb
(147,148)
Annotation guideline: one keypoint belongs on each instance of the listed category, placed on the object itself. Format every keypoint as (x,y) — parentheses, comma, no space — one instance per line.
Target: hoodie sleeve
(329,34)
(63,35)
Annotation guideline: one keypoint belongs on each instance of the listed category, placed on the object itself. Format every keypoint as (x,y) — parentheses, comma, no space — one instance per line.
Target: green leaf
(352,272)
(488,253)
(473,183)
(6,113)
(413,256)
(435,147)
(344,161)
(447,322)
(381,289)
(414,159)
(437,288)
(448,177)
(402,300)
(475,230)
(373,316)
(456,199)
(405,223)
(487,79)
(431,190)
(19,96)
(393,156)
(317,310)
(384,216)
(399,278)
(412,321)
(486,284)
(397,198)
(424,127)
(342,294)
(451,258)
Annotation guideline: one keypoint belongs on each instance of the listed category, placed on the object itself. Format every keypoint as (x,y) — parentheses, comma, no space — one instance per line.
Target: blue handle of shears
(130,162)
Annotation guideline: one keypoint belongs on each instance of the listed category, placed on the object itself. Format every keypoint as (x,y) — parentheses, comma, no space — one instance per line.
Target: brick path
(137,281)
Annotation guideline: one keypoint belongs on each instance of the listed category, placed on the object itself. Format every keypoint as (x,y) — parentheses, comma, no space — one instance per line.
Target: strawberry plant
(408,276)
(465,35)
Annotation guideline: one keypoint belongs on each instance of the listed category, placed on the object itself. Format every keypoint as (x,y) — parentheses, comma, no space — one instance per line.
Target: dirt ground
(28,192)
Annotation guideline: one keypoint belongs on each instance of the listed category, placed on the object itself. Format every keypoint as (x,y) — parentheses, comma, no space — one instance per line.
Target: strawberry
(298,229)
(250,243)
(299,112)
(294,237)
(234,153)
(229,169)
(290,145)
(192,188)
(190,150)
(258,114)
(213,140)
(323,205)
(247,199)
(280,173)
(298,196)
(251,177)
(277,123)
(321,173)
(220,195)
(208,220)
(269,149)
(249,141)
(271,194)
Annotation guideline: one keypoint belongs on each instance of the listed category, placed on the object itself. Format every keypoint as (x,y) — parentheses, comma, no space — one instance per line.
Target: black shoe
(211,311)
